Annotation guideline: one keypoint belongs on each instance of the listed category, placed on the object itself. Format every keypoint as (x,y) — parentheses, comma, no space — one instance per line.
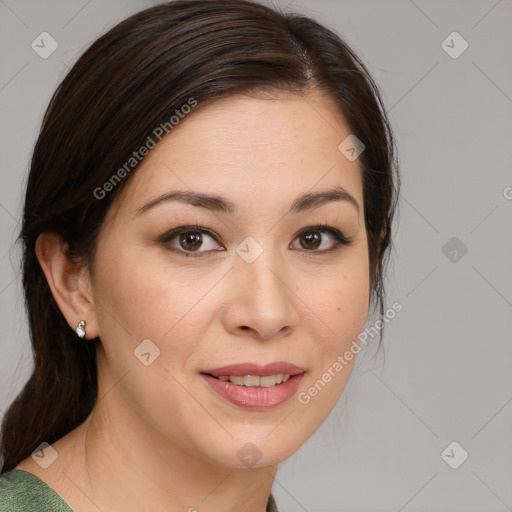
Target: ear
(70,284)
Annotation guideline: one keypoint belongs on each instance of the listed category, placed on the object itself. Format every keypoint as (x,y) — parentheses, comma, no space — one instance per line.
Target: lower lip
(255,397)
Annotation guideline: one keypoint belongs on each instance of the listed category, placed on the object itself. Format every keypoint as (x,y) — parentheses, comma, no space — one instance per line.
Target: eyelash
(339,239)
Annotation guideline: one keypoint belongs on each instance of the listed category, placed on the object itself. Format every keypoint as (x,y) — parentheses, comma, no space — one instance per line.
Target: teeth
(266,381)
(250,380)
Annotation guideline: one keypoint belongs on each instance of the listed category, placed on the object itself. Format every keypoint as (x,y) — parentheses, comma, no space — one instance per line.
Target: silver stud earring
(80,329)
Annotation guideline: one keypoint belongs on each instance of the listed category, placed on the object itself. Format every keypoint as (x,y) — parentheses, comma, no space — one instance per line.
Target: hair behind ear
(62,389)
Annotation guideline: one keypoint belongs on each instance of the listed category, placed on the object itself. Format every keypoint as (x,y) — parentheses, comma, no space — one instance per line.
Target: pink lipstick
(254,386)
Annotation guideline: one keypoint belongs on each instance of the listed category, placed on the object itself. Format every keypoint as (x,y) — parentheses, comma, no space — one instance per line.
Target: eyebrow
(308,201)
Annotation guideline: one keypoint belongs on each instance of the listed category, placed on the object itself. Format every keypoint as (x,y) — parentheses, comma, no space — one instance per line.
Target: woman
(206,224)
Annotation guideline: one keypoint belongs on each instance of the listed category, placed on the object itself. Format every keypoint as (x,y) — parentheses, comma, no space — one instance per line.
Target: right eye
(188,240)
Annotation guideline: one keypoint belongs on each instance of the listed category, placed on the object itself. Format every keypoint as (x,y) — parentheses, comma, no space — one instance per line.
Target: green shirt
(21,491)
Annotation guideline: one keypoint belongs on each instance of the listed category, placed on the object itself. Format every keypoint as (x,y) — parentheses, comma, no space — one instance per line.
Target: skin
(172,441)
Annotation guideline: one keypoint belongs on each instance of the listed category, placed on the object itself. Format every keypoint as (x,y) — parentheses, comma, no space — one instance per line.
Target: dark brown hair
(128,82)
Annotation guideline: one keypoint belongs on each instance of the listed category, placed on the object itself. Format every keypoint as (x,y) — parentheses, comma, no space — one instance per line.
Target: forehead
(251,148)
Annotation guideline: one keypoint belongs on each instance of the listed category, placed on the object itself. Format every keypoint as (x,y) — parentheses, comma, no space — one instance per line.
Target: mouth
(265,381)
(255,387)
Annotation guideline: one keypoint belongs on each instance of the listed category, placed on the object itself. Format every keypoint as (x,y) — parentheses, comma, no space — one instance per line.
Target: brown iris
(310,240)
(191,240)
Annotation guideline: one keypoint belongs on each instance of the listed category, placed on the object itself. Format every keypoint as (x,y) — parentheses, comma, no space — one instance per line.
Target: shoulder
(21,491)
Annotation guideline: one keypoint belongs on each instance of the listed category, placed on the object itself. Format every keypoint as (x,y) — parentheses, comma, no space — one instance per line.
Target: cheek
(139,301)
(341,299)
(141,297)
(341,306)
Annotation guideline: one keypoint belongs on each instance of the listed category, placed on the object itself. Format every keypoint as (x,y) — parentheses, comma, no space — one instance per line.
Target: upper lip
(256,369)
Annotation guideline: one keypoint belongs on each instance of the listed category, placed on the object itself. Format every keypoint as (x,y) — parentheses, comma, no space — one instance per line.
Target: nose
(262,303)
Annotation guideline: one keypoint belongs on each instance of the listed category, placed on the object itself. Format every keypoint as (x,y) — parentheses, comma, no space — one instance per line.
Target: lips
(255,369)
(247,383)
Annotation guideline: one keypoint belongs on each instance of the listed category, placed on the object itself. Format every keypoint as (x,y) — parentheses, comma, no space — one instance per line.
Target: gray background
(443,374)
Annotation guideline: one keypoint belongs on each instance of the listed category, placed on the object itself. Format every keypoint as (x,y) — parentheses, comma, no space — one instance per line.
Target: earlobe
(66,281)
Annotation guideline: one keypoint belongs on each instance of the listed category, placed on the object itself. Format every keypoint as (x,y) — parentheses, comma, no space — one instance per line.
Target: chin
(254,451)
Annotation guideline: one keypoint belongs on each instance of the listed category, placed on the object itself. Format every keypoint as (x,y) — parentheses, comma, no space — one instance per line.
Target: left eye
(313,239)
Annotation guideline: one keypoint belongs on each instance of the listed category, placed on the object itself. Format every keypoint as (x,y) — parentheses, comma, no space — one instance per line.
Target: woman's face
(253,283)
